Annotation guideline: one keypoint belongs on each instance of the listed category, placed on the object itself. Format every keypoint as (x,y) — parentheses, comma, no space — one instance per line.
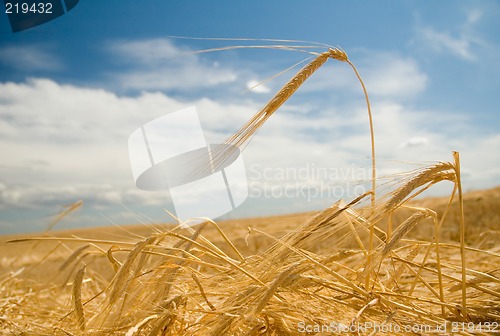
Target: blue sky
(74,89)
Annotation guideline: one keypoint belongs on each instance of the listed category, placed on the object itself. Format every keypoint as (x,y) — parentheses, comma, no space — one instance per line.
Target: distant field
(482,212)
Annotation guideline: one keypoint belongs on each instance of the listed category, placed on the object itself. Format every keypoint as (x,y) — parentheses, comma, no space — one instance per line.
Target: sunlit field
(296,274)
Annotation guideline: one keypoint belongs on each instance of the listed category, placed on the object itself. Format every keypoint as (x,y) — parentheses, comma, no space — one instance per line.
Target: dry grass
(395,262)
(294,270)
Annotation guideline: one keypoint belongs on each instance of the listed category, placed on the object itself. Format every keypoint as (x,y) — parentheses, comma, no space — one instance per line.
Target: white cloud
(462,40)
(157,64)
(442,42)
(153,51)
(96,196)
(30,58)
(480,161)
(474,15)
(391,76)
(66,135)
(415,142)
(68,142)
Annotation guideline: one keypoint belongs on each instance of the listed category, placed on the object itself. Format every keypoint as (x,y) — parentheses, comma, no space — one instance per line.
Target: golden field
(309,273)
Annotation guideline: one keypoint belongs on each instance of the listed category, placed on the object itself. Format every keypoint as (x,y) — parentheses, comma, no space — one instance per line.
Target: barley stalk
(77,298)
(115,263)
(123,276)
(456,166)
(202,291)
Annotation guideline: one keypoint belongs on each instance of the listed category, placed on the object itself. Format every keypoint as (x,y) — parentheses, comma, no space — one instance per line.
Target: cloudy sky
(73,90)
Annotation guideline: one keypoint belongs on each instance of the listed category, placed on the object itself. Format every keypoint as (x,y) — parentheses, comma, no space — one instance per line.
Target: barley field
(285,275)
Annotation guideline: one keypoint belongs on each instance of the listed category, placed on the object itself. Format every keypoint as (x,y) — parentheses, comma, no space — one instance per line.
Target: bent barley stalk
(248,130)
